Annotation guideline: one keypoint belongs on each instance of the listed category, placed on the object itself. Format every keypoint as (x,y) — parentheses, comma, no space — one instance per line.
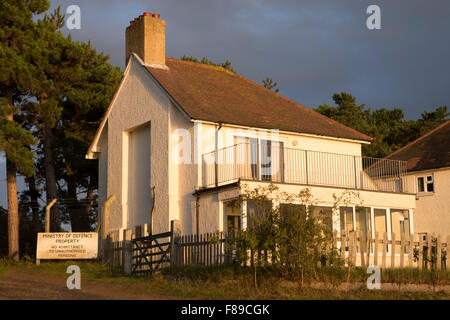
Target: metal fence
(278,164)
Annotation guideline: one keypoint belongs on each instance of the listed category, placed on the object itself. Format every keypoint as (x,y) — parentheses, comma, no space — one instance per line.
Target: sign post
(67,245)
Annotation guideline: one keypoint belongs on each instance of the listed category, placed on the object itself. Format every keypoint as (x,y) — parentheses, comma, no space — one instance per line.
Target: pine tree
(84,103)
(17,41)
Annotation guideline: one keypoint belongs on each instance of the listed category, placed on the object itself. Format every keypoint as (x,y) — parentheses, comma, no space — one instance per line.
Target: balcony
(271,161)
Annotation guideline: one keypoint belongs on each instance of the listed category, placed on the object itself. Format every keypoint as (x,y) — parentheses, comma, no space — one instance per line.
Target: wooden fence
(204,249)
(415,251)
(154,252)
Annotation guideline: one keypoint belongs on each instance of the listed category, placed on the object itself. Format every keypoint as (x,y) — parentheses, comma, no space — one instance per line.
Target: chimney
(146,36)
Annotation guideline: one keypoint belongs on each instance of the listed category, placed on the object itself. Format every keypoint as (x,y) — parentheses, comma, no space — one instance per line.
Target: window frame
(425,184)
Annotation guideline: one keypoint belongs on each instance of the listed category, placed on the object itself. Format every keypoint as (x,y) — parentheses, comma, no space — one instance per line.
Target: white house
(428,164)
(198,133)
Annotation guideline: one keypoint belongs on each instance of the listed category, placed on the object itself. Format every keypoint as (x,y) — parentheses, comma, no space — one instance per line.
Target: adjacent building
(428,165)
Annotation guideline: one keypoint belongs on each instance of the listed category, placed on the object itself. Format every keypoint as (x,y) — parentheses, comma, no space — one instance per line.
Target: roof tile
(214,94)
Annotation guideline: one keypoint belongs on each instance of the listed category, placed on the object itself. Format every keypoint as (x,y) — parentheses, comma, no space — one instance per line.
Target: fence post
(376,249)
(362,248)
(429,246)
(368,248)
(47,215)
(106,257)
(411,250)
(402,250)
(127,252)
(105,223)
(393,250)
(438,253)
(175,231)
(385,247)
(447,251)
(354,248)
(420,252)
(343,238)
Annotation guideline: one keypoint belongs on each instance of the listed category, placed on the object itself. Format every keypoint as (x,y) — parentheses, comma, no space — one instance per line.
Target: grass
(228,282)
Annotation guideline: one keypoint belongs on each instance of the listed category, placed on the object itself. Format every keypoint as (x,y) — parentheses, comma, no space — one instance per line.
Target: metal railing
(273,162)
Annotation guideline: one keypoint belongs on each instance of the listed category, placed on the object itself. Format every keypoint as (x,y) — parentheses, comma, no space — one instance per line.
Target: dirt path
(21,285)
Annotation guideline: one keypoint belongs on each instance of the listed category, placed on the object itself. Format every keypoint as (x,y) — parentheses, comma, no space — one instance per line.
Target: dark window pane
(420,185)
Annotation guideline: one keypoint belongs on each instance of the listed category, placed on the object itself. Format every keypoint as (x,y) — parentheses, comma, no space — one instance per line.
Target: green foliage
(295,240)
(269,84)
(388,127)
(18,34)
(226,65)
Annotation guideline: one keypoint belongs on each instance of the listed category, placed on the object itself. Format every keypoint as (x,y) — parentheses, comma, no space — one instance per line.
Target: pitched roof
(214,94)
(430,151)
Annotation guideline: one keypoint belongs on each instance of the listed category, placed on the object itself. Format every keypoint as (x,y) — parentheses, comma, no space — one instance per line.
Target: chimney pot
(146,38)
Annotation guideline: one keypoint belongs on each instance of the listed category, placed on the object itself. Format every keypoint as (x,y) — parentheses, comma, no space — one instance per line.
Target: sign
(67,245)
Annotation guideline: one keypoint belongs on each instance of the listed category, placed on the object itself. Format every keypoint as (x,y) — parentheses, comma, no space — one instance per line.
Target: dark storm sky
(312,48)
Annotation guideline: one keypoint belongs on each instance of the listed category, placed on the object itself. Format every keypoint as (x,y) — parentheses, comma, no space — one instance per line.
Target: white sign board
(67,245)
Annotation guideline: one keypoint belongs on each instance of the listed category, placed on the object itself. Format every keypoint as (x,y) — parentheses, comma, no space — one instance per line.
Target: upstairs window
(425,184)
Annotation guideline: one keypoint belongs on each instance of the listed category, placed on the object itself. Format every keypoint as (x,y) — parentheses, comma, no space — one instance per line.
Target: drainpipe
(216,156)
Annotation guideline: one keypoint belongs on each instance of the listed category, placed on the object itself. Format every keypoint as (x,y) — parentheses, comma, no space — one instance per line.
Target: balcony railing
(275,163)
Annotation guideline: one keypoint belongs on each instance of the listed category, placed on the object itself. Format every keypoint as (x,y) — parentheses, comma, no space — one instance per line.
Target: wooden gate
(151,253)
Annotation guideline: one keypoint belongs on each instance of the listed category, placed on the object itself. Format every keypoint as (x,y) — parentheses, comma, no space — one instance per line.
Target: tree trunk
(13,203)
(50,178)
(34,198)
(13,211)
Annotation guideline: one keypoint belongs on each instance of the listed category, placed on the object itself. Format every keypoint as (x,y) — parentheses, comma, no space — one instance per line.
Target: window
(363,221)
(400,225)
(425,184)
(232,217)
(346,219)
(347,226)
(363,224)
(289,211)
(380,222)
(257,210)
(265,157)
(323,215)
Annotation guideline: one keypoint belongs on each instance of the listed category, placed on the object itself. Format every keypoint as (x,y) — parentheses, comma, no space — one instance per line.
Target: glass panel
(232,216)
(400,225)
(346,219)
(289,210)
(257,210)
(363,223)
(233,225)
(380,223)
(323,215)
(254,157)
(430,187)
(266,160)
(420,185)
